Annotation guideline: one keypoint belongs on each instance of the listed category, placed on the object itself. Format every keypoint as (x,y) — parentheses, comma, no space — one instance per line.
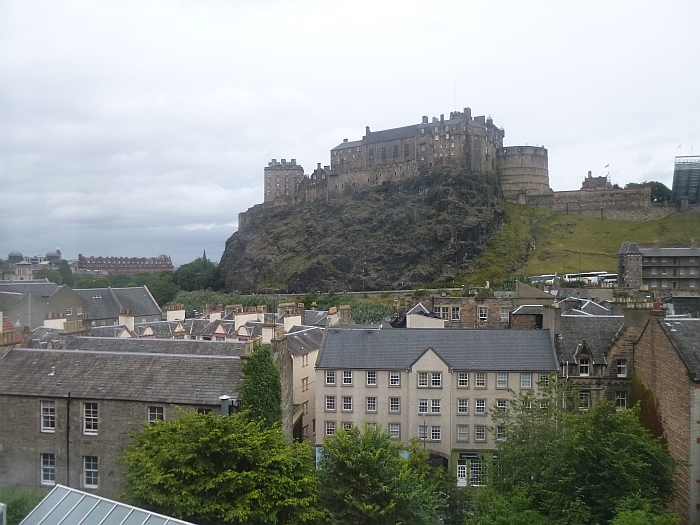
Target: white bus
(546,279)
(587,277)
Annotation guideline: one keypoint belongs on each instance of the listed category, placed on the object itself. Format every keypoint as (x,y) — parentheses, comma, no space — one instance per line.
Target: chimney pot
(345,140)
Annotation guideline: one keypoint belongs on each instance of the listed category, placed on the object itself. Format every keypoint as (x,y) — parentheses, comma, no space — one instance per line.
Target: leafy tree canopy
(52,275)
(365,480)
(20,502)
(66,274)
(659,191)
(261,390)
(200,274)
(574,462)
(213,470)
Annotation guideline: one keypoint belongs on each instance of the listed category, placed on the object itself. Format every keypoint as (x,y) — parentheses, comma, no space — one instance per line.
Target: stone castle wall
(524,169)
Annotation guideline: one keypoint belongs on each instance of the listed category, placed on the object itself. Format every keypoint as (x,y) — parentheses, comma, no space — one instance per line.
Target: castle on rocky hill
(461,142)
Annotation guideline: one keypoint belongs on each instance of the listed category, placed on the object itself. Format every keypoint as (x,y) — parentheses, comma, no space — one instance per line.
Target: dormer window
(583,367)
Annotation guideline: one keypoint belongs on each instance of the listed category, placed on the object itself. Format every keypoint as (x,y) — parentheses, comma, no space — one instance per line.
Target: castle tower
(282,178)
(524,170)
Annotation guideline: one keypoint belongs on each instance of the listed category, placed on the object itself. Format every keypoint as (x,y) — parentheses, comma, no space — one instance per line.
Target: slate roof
(528,309)
(127,376)
(685,336)
(373,349)
(598,331)
(346,145)
(304,339)
(315,317)
(157,346)
(41,289)
(8,300)
(628,248)
(67,506)
(593,308)
(105,303)
(670,252)
(403,132)
(42,335)
(419,309)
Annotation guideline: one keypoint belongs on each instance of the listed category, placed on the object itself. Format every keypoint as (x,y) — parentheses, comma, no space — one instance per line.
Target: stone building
(669,271)
(124,265)
(434,384)
(282,178)
(666,361)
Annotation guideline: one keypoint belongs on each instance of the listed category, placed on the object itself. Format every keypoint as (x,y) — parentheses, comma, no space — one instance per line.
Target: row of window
(584,367)
(434,379)
(654,283)
(90,417)
(671,260)
(452,313)
(429,432)
(675,271)
(90,477)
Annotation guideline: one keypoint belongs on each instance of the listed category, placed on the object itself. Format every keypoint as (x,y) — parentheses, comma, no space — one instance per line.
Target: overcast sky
(141,128)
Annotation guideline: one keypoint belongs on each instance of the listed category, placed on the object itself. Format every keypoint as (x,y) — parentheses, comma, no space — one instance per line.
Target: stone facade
(124,265)
(671,271)
(524,170)
(282,178)
(676,391)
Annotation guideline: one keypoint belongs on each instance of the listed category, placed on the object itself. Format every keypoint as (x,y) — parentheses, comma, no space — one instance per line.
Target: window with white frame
(48,469)
(347,377)
(330,377)
(155,414)
(394,430)
(394,378)
(347,402)
(584,365)
(304,384)
(622,368)
(480,380)
(394,404)
(505,315)
(444,312)
(330,428)
(48,416)
(422,406)
(434,406)
(480,406)
(620,400)
(330,402)
(455,313)
(90,472)
(305,360)
(544,380)
(371,404)
(483,314)
(422,379)
(69,310)
(423,431)
(435,432)
(480,433)
(463,379)
(90,419)
(463,406)
(500,432)
(347,425)
(502,404)
(526,380)
(463,432)
(79,310)
(436,379)
(584,400)
(371,378)
(502,380)
(477,471)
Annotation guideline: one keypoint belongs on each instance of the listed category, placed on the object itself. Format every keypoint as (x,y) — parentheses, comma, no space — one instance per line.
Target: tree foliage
(365,480)
(364,311)
(261,389)
(659,191)
(19,501)
(52,275)
(200,274)
(67,276)
(576,463)
(213,470)
(492,508)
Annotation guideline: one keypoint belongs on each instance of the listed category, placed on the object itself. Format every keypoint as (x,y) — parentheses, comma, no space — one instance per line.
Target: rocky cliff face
(402,234)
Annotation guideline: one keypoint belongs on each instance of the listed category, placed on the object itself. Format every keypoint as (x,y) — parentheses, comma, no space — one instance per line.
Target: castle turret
(524,170)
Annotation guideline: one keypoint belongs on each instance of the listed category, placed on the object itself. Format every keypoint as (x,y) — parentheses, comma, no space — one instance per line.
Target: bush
(20,501)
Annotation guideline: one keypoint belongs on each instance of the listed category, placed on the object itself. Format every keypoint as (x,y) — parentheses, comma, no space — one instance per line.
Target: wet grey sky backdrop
(140,128)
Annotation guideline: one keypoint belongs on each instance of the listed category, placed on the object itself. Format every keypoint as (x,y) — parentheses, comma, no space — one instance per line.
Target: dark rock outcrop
(402,234)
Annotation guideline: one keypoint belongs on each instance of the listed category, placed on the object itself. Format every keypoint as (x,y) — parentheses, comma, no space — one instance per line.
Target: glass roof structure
(66,506)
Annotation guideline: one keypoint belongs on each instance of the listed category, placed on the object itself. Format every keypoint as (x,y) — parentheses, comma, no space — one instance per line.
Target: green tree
(213,470)
(162,286)
(575,462)
(637,511)
(89,281)
(365,480)
(492,508)
(52,275)
(19,501)
(659,191)
(66,274)
(200,274)
(261,389)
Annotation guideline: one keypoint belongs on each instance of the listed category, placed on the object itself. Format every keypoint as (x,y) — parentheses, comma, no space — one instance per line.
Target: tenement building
(667,270)
(434,384)
(124,265)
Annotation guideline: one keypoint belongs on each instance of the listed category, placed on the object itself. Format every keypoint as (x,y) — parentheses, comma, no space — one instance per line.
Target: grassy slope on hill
(537,241)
